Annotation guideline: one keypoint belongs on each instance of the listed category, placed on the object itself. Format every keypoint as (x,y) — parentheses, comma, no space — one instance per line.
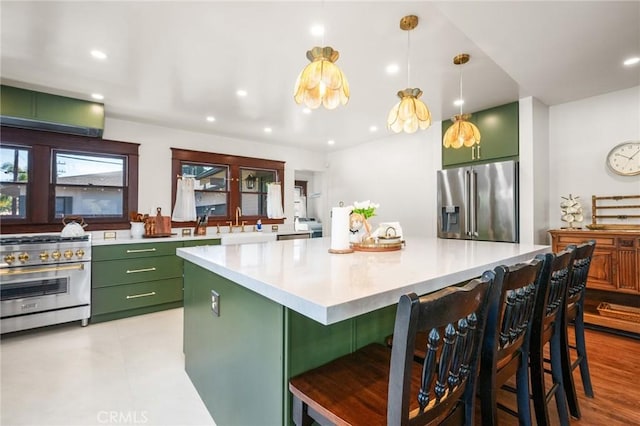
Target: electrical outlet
(274,228)
(215,303)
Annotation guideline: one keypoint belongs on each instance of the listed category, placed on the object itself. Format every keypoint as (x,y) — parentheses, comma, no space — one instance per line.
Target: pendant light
(410,114)
(462,132)
(322,82)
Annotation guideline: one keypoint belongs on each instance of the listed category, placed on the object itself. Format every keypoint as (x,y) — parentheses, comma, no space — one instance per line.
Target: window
(89,185)
(224,183)
(14,168)
(46,176)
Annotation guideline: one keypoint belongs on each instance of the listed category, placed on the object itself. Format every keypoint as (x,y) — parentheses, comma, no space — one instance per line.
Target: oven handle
(79,267)
(141,250)
(152,293)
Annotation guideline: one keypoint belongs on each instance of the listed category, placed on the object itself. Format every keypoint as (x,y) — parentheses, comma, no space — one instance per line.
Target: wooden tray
(627,313)
(377,246)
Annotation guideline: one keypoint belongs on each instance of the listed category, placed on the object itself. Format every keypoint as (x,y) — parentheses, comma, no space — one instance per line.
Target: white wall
(581,135)
(155,158)
(398,172)
(534,170)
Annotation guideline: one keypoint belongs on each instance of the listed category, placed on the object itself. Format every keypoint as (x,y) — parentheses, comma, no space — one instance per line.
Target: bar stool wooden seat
(574,314)
(376,385)
(505,345)
(546,329)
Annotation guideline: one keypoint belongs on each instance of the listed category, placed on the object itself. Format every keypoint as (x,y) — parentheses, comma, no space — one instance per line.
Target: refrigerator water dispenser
(450,219)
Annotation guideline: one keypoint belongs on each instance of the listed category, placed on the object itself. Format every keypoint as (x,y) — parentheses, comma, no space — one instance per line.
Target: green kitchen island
(257,314)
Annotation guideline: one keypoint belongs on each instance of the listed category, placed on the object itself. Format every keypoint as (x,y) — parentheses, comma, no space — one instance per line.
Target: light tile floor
(128,371)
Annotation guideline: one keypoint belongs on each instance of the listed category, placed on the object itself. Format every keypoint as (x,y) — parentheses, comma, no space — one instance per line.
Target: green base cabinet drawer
(126,271)
(132,251)
(196,243)
(132,296)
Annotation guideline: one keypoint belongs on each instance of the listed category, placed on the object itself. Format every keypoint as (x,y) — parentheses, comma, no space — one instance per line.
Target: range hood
(28,109)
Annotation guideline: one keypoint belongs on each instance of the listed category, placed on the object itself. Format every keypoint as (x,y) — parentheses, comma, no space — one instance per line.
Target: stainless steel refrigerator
(479,202)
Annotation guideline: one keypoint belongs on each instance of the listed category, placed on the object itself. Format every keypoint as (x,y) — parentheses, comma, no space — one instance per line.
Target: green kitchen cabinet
(499,137)
(251,350)
(138,278)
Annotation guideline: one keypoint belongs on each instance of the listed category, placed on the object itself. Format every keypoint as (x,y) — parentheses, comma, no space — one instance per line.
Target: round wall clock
(624,158)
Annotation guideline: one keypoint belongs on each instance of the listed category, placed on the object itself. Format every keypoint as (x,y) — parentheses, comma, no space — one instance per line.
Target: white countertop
(328,288)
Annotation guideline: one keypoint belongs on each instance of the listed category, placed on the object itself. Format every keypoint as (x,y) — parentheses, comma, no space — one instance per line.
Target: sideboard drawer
(138,295)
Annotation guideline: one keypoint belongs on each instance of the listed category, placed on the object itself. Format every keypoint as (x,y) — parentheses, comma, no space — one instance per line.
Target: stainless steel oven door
(30,289)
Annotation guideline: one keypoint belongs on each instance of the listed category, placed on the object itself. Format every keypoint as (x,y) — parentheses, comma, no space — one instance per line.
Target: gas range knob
(68,254)
(23,257)
(44,256)
(56,255)
(79,253)
(9,259)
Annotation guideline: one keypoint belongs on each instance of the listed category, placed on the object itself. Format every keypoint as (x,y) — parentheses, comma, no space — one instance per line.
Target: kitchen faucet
(237,225)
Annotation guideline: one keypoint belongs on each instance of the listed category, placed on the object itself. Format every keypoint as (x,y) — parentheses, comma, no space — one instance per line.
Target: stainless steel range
(44,280)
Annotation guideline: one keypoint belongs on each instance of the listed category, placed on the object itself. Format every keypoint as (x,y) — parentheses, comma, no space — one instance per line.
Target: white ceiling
(174,63)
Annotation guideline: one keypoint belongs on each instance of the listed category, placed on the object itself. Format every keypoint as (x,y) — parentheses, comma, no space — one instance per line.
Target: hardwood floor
(614,363)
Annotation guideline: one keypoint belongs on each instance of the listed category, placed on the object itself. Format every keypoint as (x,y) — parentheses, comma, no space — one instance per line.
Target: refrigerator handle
(473,199)
(467,216)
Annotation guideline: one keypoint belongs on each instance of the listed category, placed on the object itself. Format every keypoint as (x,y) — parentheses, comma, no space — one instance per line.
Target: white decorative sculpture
(571,210)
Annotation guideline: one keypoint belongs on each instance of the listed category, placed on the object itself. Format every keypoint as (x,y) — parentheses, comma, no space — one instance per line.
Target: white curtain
(185,207)
(274,201)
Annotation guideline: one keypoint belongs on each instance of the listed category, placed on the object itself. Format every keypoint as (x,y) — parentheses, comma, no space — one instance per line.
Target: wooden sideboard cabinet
(616,261)
(614,275)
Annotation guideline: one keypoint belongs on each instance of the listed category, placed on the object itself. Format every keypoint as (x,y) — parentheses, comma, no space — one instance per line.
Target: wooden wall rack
(608,209)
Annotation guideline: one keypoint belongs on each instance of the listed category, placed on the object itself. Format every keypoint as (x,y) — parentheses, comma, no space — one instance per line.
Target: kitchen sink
(246,237)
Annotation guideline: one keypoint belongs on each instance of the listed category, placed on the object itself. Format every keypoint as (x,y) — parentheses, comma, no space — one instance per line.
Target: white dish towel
(185,207)
(274,201)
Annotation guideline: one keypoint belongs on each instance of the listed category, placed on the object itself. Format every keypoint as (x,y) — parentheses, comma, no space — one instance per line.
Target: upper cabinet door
(499,137)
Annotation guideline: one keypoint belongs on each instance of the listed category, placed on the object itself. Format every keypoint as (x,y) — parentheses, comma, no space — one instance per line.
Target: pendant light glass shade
(321,82)
(410,114)
(461,133)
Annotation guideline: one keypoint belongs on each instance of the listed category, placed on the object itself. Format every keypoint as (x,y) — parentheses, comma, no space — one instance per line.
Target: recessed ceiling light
(211,119)
(306,111)
(632,61)
(373,129)
(241,93)
(268,130)
(331,142)
(98,54)
(97,96)
(392,68)
(317,30)
(458,102)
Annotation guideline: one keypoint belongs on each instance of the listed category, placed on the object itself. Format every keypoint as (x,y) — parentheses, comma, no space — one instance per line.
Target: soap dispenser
(259,225)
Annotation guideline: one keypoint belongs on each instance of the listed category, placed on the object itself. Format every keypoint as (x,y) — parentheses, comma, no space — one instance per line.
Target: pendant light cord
(408,55)
(461,100)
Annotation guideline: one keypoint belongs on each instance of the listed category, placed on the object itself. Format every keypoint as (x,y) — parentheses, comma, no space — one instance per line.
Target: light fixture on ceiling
(322,82)
(632,61)
(462,132)
(410,114)
(97,96)
(98,54)
(211,118)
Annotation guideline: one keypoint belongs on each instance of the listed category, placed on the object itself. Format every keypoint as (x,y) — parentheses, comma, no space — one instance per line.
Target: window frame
(41,185)
(235,163)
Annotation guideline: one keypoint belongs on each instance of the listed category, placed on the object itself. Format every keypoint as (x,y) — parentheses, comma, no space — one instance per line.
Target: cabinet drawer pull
(478,152)
(141,250)
(134,271)
(473,152)
(135,296)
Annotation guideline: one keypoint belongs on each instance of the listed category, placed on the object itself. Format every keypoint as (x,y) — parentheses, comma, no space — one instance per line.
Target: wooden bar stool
(376,385)
(574,314)
(505,347)
(546,328)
